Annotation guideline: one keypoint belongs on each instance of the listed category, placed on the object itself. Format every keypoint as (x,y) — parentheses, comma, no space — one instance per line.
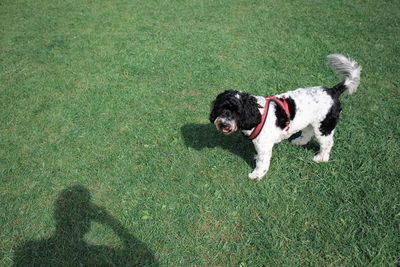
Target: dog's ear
(213,113)
(249,114)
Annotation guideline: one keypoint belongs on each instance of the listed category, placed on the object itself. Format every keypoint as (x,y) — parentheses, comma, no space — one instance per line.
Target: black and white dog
(268,120)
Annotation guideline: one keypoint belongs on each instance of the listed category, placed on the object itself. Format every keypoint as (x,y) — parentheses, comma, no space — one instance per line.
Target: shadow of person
(200,136)
(73,214)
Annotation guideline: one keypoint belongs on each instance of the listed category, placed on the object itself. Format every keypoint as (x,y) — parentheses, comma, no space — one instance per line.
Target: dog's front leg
(263,158)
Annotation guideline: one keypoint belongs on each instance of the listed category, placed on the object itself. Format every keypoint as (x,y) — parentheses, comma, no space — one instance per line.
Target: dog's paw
(321,158)
(257,176)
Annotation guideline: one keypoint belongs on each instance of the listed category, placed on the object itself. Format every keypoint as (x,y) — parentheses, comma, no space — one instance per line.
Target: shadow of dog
(200,136)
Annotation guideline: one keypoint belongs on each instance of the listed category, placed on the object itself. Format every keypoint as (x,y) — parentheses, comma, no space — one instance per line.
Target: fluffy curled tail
(348,69)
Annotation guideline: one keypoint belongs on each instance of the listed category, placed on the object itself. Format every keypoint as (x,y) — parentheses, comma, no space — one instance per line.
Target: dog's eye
(227,113)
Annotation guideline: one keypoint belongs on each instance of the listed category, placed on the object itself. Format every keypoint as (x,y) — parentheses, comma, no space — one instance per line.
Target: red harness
(259,127)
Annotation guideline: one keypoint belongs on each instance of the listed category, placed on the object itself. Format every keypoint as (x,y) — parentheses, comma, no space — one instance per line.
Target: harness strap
(283,103)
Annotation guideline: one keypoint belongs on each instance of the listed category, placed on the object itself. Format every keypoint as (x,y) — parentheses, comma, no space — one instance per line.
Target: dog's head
(235,110)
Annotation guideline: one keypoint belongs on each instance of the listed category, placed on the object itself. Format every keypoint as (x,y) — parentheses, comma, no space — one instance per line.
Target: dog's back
(318,104)
(312,106)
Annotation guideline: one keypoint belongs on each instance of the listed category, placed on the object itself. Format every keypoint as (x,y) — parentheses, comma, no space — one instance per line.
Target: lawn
(107,157)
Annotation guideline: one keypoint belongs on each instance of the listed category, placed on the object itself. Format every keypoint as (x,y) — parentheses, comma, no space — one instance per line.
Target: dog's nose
(224,125)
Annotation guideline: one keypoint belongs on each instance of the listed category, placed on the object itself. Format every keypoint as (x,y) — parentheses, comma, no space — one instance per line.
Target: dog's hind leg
(305,137)
(326,143)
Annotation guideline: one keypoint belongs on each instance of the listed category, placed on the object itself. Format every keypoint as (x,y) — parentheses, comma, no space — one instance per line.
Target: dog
(268,120)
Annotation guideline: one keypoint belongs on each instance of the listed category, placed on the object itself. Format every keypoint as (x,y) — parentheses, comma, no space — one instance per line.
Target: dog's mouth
(226,130)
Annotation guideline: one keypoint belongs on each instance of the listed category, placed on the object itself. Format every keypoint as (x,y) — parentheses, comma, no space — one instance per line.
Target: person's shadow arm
(137,253)
(100,215)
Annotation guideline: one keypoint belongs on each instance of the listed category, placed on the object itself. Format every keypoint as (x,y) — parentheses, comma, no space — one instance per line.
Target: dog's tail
(349,70)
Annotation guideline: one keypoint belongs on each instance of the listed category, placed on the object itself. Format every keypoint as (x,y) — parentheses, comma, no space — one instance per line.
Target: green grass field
(107,157)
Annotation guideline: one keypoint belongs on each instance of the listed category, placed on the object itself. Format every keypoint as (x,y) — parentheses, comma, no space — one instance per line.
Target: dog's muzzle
(225,126)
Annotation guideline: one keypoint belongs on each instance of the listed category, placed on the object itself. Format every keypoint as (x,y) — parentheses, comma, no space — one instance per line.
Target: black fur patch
(281,117)
(336,91)
(282,120)
(292,107)
(332,118)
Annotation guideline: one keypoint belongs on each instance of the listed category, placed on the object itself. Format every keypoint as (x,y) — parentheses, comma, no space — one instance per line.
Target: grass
(107,156)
